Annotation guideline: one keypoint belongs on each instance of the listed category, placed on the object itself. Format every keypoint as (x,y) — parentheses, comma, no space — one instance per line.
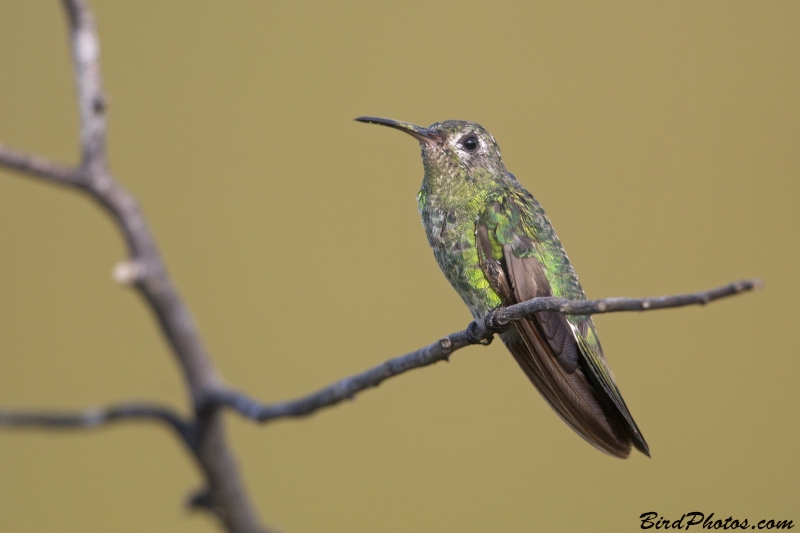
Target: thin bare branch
(230,501)
(478,332)
(504,316)
(39,166)
(346,388)
(89,84)
(213,455)
(98,416)
(152,280)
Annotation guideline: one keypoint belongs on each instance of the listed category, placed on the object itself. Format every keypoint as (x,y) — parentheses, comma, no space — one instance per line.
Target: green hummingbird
(496,246)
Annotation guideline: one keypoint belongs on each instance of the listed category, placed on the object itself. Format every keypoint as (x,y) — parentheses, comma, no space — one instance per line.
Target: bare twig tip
(445,344)
(127,272)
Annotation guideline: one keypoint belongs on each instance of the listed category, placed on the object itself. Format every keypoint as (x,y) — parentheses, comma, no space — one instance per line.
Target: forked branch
(144,269)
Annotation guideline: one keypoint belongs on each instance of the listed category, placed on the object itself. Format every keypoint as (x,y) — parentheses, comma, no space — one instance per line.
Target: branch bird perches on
(347,388)
(478,332)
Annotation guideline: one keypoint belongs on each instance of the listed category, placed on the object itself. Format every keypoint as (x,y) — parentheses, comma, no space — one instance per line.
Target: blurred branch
(144,270)
(98,416)
(39,166)
(478,332)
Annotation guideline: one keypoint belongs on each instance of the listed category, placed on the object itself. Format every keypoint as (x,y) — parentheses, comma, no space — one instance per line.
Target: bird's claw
(475,337)
(492,323)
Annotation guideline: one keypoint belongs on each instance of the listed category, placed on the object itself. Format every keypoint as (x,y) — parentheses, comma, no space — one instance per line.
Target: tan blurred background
(662,138)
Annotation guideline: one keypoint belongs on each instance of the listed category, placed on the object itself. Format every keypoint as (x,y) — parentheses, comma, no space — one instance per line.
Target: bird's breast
(451,235)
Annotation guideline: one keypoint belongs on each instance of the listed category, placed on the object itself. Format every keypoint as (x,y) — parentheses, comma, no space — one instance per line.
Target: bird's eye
(470,143)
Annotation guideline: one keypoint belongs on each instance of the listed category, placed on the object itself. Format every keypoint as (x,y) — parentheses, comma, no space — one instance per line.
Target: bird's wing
(522,259)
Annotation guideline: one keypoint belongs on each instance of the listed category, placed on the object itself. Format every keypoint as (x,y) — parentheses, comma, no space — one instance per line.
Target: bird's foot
(478,335)
(492,323)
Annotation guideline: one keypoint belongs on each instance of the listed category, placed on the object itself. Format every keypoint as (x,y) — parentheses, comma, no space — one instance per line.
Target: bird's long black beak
(418,132)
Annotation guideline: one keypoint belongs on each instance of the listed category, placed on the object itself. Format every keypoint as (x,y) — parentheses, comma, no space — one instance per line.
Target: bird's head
(452,147)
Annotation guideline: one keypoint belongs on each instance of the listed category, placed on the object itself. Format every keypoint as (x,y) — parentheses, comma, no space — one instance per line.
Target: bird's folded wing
(566,367)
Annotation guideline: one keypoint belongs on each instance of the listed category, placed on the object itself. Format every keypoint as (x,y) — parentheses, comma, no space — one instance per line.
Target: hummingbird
(496,247)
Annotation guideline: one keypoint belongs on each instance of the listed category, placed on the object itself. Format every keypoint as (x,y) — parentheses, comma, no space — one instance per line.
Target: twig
(478,332)
(513,313)
(345,388)
(98,416)
(39,166)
